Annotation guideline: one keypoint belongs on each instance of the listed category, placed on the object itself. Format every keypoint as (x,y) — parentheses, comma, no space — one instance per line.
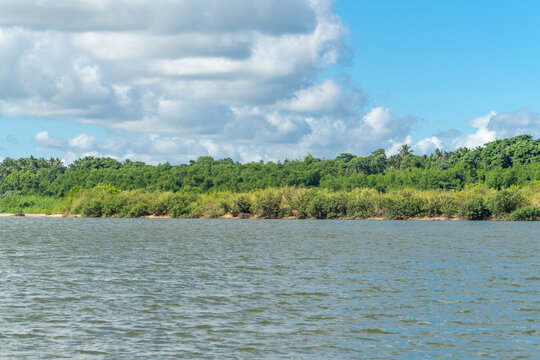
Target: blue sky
(173,80)
(446,62)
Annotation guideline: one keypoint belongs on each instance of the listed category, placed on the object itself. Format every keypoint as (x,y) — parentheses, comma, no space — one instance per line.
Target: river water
(264,289)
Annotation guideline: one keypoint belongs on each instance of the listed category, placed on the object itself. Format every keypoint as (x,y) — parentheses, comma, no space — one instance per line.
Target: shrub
(241,205)
(318,207)
(526,213)
(474,208)
(384,206)
(92,208)
(336,206)
(406,206)
(302,201)
(210,207)
(450,207)
(434,204)
(178,204)
(114,205)
(268,204)
(158,208)
(360,208)
(139,210)
(178,210)
(286,210)
(505,201)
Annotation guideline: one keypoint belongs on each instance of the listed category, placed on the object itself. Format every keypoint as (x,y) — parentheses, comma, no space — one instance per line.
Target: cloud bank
(173,80)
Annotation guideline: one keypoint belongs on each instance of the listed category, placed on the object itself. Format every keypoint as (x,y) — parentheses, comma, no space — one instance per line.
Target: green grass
(28,204)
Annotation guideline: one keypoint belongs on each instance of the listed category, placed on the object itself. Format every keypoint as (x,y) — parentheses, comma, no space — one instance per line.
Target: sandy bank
(242,216)
(39,215)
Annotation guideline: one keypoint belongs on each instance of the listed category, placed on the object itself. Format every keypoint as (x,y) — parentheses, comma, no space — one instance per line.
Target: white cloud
(328,97)
(378,119)
(159,16)
(162,65)
(524,121)
(494,126)
(427,145)
(482,135)
(182,79)
(82,142)
(43,139)
(173,80)
(274,136)
(396,145)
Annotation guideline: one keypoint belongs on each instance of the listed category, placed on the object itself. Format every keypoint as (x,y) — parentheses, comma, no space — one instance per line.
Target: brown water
(147,289)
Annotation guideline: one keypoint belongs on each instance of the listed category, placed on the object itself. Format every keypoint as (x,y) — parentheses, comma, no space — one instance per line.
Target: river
(267,289)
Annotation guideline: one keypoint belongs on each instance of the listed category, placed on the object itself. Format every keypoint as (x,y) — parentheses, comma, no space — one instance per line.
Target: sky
(169,81)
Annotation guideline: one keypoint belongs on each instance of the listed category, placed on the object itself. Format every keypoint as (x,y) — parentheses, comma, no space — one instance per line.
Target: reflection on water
(140,288)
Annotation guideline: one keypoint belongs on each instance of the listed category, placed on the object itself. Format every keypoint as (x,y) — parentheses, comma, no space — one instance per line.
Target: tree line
(498,164)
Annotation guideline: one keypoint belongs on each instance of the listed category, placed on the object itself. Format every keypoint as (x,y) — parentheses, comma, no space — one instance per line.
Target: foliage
(500,179)
(505,201)
(526,213)
(267,204)
(94,207)
(474,208)
(499,164)
(360,206)
(475,203)
(241,205)
(139,210)
(404,205)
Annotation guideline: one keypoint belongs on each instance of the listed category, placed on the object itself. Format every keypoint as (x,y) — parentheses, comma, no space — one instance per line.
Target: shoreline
(244,217)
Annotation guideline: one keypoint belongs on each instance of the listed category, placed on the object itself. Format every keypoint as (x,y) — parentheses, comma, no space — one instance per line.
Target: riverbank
(243,217)
(473,203)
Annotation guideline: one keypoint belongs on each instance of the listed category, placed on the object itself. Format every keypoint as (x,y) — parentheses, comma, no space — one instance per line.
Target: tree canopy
(498,164)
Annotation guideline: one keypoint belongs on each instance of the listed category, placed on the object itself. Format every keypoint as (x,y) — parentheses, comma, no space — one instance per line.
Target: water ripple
(146,289)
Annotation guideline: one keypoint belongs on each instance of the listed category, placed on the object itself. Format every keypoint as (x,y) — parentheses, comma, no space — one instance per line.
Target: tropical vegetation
(500,180)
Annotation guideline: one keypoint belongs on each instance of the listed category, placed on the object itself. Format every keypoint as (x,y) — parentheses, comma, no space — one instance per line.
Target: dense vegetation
(498,180)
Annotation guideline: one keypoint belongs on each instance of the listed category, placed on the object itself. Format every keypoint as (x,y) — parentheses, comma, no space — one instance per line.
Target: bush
(158,208)
(114,206)
(336,206)
(318,207)
(241,205)
(210,207)
(92,208)
(139,210)
(302,201)
(178,204)
(360,208)
(450,207)
(384,206)
(474,208)
(286,210)
(434,204)
(268,204)
(505,202)
(406,206)
(526,213)
(178,210)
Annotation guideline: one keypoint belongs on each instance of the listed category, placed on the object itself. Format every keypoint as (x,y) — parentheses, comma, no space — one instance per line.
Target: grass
(476,202)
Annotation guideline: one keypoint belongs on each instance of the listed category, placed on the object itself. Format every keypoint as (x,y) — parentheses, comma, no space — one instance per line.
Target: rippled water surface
(147,289)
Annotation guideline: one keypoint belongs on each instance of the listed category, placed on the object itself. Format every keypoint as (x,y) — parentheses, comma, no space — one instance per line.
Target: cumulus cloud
(43,139)
(185,78)
(82,142)
(275,136)
(494,126)
(162,16)
(428,145)
(173,80)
